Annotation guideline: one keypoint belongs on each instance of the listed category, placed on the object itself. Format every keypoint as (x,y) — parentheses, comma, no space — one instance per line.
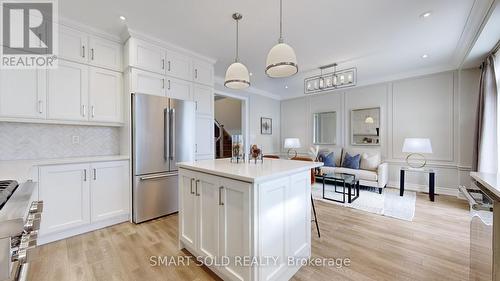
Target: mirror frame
(352,127)
(314,129)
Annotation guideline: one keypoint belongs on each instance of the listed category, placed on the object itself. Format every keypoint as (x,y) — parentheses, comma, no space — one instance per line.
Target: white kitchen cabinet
(73,44)
(204,98)
(179,66)
(23,93)
(188,199)
(204,137)
(67,96)
(146,56)
(105,95)
(179,89)
(105,53)
(208,192)
(109,190)
(64,190)
(146,82)
(203,72)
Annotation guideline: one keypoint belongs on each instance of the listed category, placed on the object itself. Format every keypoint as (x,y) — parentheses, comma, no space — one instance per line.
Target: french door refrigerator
(163,133)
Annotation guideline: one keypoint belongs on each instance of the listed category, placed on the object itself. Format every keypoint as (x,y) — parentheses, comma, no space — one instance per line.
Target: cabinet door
(179,66)
(179,89)
(204,98)
(146,56)
(67,95)
(64,190)
(105,95)
(73,44)
(105,53)
(187,209)
(23,93)
(109,189)
(203,72)
(204,136)
(208,214)
(145,82)
(235,225)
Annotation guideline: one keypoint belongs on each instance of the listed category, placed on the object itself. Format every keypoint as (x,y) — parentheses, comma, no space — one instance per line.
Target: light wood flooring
(435,246)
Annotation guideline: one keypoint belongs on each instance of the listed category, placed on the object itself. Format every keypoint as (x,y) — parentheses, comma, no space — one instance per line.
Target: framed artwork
(266,126)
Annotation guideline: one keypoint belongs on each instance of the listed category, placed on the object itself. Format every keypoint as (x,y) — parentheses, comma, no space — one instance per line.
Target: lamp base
(416,165)
(292,150)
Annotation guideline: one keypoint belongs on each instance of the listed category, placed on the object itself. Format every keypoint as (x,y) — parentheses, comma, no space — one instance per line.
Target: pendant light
(237,73)
(281,59)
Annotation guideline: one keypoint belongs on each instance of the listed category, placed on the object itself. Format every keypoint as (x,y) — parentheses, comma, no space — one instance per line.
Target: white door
(145,82)
(203,72)
(23,93)
(235,225)
(146,56)
(109,190)
(204,98)
(67,96)
(105,92)
(179,89)
(73,44)
(179,66)
(208,214)
(204,136)
(105,53)
(64,190)
(187,208)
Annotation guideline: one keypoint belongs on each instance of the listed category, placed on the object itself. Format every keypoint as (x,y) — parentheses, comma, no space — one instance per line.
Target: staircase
(223,141)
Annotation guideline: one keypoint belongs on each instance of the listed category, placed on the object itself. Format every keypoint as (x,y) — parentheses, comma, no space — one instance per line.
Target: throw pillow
(351,162)
(329,160)
(370,162)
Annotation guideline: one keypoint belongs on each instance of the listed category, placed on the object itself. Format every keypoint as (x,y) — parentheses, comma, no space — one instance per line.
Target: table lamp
(292,144)
(417,147)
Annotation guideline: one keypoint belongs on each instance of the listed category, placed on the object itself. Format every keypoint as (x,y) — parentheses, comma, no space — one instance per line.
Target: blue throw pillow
(329,160)
(351,162)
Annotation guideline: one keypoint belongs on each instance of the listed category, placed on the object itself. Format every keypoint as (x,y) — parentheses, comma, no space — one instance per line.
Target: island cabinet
(245,228)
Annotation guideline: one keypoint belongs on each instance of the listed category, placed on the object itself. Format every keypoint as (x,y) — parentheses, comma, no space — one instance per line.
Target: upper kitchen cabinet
(78,46)
(146,56)
(203,72)
(179,65)
(22,93)
(203,97)
(179,89)
(146,82)
(105,95)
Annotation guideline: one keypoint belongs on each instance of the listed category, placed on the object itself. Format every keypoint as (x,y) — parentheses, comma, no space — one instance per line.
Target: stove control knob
(33,222)
(36,207)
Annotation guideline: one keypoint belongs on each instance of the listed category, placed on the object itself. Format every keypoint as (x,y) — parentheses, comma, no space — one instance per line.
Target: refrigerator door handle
(157,176)
(166,131)
(172,134)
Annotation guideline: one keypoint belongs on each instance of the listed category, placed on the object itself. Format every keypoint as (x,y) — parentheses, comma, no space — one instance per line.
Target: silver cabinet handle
(95,174)
(93,111)
(84,174)
(196,74)
(83,51)
(162,63)
(84,110)
(192,181)
(92,53)
(220,196)
(40,108)
(168,84)
(196,189)
(163,83)
(157,176)
(168,65)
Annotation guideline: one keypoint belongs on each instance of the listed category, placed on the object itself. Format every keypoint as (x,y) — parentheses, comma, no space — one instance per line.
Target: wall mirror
(365,126)
(325,128)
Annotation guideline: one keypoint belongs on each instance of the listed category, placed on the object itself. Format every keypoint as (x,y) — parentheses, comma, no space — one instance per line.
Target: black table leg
(315,217)
(401,182)
(431,186)
(349,197)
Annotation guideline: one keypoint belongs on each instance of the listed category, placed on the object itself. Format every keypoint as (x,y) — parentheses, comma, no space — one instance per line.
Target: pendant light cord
(237,42)
(281,22)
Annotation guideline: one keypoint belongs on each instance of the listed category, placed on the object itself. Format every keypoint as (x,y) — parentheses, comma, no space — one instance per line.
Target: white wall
(439,106)
(228,112)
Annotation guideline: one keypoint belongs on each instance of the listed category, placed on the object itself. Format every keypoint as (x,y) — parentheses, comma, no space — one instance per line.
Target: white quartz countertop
(23,170)
(250,172)
(489,181)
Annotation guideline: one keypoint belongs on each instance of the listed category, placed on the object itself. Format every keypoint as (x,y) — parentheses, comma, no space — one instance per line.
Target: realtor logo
(29,34)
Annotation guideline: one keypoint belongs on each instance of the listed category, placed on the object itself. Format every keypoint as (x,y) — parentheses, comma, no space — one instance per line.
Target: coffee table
(349,181)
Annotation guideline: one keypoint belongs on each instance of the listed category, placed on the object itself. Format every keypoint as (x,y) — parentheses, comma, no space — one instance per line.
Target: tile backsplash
(19,141)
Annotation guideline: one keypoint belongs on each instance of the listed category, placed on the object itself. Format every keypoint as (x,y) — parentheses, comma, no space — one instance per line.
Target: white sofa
(372,172)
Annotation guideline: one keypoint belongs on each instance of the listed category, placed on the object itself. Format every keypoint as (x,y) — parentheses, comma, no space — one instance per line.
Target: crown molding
(250,90)
(87,29)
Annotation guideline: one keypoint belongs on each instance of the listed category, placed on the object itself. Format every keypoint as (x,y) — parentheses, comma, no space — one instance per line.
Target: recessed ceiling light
(123,18)
(286,86)
(426,14)
(424,56)
(251,74)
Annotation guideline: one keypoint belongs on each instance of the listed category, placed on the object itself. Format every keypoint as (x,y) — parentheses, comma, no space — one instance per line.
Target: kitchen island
(247,221)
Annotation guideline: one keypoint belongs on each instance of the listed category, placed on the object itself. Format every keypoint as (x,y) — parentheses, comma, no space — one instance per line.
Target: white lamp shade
(237,76)
(281,61)
(417,145)
(292,143)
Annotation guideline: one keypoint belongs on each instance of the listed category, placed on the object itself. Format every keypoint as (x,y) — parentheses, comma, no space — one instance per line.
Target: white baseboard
(425,188)
(51,237)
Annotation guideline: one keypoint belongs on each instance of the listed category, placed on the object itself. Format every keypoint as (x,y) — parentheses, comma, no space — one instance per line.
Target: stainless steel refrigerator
(163,133)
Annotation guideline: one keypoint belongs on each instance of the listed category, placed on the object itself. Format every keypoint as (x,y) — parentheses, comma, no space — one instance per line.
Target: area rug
(389,203)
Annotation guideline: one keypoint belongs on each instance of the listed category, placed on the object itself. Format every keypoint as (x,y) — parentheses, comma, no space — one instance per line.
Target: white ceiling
(382,38)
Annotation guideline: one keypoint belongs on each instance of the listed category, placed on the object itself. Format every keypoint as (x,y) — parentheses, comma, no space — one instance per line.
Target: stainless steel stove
(20,216)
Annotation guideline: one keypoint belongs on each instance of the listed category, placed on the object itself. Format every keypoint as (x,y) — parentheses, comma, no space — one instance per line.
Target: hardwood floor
(435,246)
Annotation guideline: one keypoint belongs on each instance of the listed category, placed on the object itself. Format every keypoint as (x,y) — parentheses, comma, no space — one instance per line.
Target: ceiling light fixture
(330,81)
(426,14)
(424,56)
(123,18)
(286,86)
(237,76)
(281,60)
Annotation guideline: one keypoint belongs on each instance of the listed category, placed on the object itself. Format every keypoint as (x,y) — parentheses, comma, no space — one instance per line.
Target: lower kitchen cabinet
(82,197)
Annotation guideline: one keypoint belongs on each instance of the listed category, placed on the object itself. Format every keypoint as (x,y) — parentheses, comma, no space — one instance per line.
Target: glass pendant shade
(237,76)
(281,61)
